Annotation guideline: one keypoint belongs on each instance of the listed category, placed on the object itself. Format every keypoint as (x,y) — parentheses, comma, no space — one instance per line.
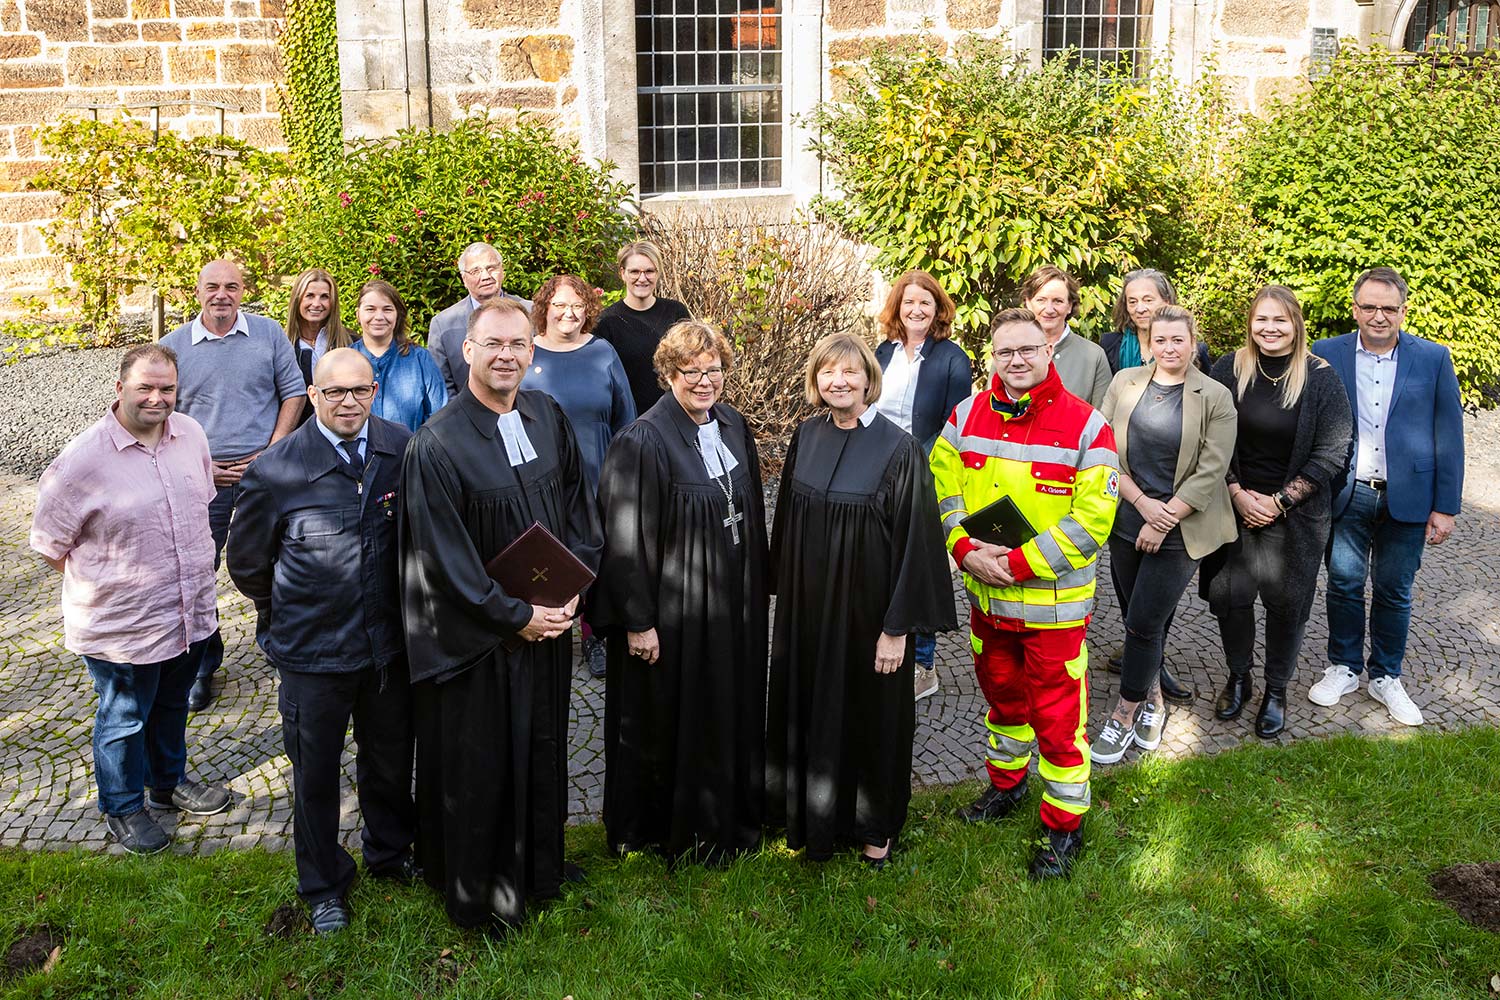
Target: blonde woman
(1175,431)
(857,556)
(312,322)
(1293,443)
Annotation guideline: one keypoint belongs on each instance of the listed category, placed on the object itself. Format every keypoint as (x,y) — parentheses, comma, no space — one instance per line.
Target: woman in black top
(1293,444)
(635,325)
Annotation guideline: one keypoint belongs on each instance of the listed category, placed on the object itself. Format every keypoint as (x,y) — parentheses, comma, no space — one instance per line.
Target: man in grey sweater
(238,377)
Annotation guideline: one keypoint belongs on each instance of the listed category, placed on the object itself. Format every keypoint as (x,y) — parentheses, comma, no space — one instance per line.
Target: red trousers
(1036,683)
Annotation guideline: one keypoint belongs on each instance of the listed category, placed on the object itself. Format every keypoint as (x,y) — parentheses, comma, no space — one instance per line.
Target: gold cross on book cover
(539,569)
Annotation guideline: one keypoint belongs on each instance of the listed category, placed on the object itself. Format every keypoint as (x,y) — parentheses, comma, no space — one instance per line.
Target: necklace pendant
(732,522)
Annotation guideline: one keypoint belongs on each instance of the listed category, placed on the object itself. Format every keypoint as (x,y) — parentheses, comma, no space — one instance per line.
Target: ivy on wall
(313,120)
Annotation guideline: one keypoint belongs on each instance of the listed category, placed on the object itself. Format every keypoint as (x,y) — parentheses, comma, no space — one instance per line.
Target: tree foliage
(980,171)
(402,209)
(1389,161)
(144,210)
(314,120)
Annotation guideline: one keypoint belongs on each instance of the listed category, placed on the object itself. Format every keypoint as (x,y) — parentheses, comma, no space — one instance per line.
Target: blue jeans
(220,509)
(140,728)
(1367,542)
(926,647)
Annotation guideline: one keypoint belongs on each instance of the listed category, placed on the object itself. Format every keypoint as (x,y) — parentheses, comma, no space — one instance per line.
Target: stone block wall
(57,53)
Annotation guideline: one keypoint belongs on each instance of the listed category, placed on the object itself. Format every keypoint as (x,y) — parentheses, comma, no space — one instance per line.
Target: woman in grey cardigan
(1292,450)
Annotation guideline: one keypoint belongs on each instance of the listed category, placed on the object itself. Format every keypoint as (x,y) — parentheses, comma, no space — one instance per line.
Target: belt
(1378,485)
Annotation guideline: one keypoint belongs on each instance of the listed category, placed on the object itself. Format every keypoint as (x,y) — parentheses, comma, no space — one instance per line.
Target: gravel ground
(53,397)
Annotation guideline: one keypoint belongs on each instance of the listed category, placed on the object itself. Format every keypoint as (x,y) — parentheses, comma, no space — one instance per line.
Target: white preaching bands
(517,445)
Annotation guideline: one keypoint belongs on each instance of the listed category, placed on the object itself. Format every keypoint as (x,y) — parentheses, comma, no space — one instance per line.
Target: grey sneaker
(1150,720)
(192,797)
(1112,742)
(924,682)
(138,833)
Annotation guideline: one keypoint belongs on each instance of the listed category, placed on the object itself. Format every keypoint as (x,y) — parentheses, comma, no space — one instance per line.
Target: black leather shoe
(593,656)
(1232,700)
(406,871)
(880,863)
(1174,690)
(1116,660)
(192,797)
(993,804)
(329,916)
(138,833)
(574,874)
(201,695)
(1271,719)
(1055,857)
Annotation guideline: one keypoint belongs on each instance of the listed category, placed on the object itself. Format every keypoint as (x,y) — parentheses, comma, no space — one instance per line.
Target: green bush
(141,210)
(1389,161)
(980,171)
(314,118)
(404,208)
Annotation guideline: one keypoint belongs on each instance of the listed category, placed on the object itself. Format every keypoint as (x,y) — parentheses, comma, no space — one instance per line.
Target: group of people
(372,481)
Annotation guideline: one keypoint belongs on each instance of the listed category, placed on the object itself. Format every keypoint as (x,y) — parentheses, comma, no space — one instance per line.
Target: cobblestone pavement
(47,701)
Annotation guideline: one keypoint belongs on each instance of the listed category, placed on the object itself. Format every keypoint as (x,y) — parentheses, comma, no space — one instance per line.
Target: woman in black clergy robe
(859,568)
(681,600)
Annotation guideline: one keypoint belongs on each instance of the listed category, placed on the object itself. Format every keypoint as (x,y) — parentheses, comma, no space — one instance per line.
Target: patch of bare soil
(1473,891)
(36,948)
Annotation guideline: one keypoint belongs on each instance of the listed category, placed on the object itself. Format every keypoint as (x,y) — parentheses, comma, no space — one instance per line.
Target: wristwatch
(1281,500)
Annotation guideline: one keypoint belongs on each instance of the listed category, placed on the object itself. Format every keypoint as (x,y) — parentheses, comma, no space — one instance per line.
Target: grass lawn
(1264,872)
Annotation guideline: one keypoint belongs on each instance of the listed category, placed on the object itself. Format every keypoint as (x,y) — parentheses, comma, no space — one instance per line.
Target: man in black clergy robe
(491,723)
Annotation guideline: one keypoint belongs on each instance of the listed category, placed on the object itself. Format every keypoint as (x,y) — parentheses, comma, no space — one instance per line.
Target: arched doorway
(1453,25)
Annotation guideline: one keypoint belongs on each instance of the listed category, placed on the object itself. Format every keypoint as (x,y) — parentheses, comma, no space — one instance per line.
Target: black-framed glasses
(336,393)
(696,375)
(1389,312)
(1027,352)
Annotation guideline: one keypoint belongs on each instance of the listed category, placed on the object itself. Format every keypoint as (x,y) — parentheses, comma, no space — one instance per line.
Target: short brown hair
(1017,314)
(1039,278)
(501,305)
(1385,276)
(146,352)
(890,313)
(841,347)
(543,302)
(683,342)
(402,337)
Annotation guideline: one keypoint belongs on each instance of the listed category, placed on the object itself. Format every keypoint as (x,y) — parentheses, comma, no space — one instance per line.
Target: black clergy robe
(857,549)
(684,737)
(491,725)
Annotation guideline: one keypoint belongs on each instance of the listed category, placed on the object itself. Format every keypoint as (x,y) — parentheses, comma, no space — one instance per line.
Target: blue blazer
(1424,432)
(944,380)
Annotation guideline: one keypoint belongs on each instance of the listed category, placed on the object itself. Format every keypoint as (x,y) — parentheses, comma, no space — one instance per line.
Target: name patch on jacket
(1057,491)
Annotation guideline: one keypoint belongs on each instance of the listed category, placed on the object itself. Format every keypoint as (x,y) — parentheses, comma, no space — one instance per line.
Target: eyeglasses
(1025,353)
(636,272)
(577,308)
(696,375)
(1389,312)
(475,272)
(336,393)
(514,347)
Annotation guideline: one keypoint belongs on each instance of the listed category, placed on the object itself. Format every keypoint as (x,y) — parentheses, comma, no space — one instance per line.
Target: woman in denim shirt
(411,386)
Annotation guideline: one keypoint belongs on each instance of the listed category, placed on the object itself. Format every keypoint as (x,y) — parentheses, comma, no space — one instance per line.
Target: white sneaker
(924,682)
(1338,680)
(1389,692)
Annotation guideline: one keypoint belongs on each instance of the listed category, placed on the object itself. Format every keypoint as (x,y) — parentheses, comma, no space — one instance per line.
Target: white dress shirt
(1374,378)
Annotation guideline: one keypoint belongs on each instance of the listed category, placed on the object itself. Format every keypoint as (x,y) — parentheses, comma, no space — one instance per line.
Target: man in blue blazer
(483,273)
(1405,481)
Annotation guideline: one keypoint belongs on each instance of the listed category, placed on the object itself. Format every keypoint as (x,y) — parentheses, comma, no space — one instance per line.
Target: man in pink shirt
(122,513)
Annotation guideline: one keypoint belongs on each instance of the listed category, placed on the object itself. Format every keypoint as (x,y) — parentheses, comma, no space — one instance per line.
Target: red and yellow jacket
(1056,459)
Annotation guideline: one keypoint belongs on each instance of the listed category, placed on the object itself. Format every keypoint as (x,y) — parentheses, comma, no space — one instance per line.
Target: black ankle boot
(1174,690)
(1271,719)
(1237,691)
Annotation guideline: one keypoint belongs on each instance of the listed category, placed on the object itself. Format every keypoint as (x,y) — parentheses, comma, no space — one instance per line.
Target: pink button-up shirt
(131,525)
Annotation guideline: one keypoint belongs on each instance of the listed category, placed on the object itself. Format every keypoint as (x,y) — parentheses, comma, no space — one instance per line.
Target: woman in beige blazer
(1174,429)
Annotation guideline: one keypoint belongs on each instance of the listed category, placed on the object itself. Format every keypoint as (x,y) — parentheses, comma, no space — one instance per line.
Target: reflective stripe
(1091,429)
(948,506)
(1084,542)
(1053,553)
(951,521)
(1065,581)
(1072,796)
(1005,751)
(1032,614)
(949,433)
(999,448)
(1099,456)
